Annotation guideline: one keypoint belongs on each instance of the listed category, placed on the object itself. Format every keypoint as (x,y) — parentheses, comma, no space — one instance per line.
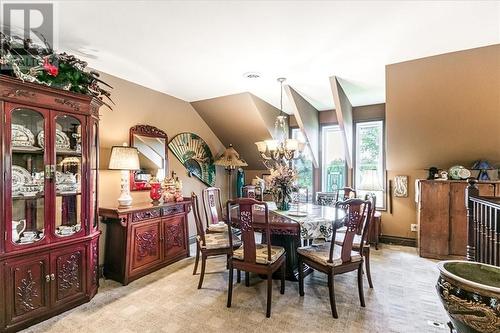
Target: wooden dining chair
(210,244)
(327,198)
(333,259)
(357,241)
(212,206)
(262,259)
(348,193)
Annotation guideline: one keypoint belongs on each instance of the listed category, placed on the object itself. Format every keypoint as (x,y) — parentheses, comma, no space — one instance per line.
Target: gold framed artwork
(401,186)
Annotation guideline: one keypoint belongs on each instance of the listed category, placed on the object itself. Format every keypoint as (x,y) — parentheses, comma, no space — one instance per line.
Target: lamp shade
(230,159)
(124,158)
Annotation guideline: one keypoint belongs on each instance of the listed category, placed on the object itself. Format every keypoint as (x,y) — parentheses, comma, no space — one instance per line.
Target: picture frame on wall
(401,186)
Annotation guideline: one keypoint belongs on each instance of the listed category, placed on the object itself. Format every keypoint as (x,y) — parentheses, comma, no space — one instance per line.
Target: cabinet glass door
(28,186)
(68,204)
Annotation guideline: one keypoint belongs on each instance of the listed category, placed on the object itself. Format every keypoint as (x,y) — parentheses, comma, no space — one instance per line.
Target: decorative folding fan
(195,155)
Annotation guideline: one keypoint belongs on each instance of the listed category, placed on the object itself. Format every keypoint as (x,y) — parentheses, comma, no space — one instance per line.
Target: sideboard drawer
(146,215)
(171,210)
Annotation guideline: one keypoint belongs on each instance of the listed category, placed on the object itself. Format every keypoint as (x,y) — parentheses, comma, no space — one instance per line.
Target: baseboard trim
(395,240)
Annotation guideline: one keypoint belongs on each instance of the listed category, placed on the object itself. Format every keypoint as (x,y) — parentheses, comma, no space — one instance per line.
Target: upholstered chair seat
(339,240)
(261,256)
(217,227)
(218,240)
(321,253)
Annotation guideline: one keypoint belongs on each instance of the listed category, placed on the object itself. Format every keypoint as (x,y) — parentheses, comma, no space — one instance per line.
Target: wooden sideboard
(442,217)
(143,238)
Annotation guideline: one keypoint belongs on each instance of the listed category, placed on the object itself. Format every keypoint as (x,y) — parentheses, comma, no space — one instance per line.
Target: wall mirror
(151,143)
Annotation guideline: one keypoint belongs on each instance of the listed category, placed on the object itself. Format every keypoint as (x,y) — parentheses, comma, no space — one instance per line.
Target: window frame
(381,121)
(322,181)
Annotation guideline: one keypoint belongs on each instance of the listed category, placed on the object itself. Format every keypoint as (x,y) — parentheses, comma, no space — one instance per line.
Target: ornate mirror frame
(153,132)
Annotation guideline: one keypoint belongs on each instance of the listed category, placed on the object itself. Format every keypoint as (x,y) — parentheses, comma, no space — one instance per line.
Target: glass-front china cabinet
(49,163)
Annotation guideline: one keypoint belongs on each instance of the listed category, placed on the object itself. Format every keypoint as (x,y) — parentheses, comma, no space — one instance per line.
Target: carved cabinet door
(174,229)
(145,246)
(68,274)
(27,288)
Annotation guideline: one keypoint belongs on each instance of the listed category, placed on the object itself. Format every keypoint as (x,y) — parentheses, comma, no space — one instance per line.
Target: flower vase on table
(282,197)
(281,182)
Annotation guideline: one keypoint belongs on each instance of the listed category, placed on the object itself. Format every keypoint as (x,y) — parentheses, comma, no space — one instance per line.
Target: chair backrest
(212,204)
(200,230)
(241,213)
(327,198)
(301,195)
(249,191)
(349,193)
(358,215)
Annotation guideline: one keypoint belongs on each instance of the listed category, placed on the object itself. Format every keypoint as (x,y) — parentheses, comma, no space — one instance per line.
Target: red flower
(49,68)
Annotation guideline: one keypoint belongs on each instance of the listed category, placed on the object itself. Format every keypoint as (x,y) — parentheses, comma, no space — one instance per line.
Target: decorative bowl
(470,293)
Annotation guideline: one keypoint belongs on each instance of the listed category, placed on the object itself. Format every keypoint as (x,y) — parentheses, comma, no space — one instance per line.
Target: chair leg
(202,273)
(230,287)
(360,285)
(238,276)
(301,276)
(269,293)
(247,279)
(196,259)
(367,264)
(332,295)
(282,289)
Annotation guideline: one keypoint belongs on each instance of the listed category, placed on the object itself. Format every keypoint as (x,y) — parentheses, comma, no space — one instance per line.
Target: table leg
(291,244)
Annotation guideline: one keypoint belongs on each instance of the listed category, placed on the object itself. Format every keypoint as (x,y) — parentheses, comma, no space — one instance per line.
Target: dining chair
(327,198)
(264,259)
(348,193)
(212,206)
(249,191)
(210,244)
(333,259)
(356,243)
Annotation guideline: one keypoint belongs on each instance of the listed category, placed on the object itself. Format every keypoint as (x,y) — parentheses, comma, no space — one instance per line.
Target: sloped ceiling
(344,115)
(241,120)
(307,118)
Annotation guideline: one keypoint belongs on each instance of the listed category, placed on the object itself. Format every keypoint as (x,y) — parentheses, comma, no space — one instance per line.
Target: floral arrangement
(29,62)
(281,184)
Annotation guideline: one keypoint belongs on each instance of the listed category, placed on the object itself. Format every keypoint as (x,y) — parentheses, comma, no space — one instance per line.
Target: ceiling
(197,50)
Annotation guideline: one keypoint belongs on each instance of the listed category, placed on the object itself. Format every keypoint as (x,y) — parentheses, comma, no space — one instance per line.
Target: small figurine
(433,173)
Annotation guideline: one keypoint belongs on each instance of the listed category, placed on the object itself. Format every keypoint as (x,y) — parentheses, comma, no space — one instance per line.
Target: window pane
(334,171)
(369,159)
(303,165)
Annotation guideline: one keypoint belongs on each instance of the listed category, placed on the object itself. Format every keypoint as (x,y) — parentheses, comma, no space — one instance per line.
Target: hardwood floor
(403,300)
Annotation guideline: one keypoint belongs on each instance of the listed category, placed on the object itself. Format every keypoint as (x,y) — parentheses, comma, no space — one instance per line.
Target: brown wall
(440,111)
(136,104)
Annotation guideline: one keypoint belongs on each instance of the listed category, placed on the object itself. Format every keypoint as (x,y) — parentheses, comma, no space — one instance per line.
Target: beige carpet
(403,300)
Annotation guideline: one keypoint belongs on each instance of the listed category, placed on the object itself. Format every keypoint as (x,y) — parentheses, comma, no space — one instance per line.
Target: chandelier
(281,149)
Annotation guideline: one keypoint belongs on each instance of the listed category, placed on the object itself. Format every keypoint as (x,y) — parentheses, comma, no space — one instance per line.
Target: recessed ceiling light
(251,75)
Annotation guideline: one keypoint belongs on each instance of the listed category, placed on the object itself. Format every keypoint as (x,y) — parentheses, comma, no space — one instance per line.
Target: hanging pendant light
(281,148)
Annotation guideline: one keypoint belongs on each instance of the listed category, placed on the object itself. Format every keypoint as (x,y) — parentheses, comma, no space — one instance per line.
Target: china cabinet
(50,236)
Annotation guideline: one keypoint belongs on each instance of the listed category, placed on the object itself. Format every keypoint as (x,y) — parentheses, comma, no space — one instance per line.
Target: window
(333,168)
(369,172)
(303,164)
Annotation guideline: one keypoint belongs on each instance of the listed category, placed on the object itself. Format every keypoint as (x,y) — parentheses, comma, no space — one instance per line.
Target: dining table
(289,228)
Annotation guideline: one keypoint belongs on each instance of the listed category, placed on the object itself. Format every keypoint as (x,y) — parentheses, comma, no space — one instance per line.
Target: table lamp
(230,159)
(125,159)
